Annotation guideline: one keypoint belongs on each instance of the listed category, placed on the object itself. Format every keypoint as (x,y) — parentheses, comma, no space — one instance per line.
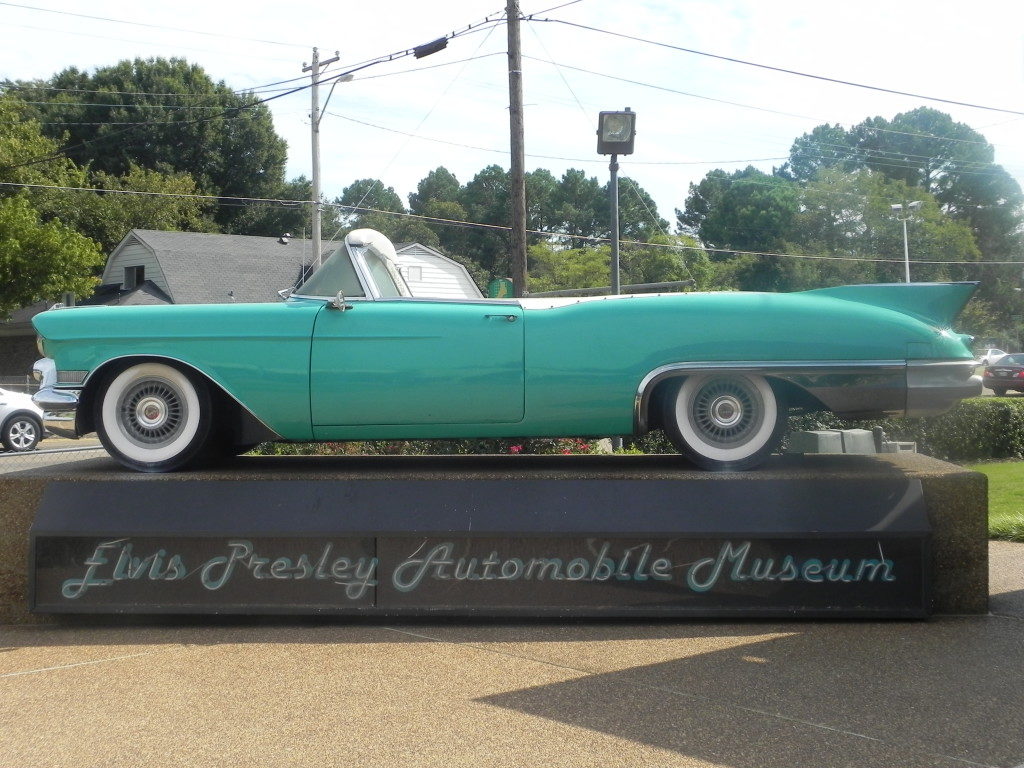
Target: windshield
(389,283)
(366,253)
(1011,360)
(336,274)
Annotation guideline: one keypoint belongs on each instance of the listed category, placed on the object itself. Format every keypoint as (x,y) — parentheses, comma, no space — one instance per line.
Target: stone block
(860,442)
(816,441)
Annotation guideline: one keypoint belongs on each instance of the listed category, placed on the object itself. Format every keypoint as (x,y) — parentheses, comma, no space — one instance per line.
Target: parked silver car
(21,421)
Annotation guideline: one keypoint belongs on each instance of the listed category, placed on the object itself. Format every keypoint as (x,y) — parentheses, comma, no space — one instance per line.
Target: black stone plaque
(726,547)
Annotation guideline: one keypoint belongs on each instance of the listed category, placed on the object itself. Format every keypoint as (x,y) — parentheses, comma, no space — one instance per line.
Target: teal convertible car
(351,355)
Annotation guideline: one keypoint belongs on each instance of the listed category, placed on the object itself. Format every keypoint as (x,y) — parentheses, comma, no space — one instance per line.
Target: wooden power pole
(314,73)
(518,181)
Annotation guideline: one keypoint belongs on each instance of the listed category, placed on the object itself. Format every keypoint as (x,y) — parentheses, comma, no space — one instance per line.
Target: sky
(397,121)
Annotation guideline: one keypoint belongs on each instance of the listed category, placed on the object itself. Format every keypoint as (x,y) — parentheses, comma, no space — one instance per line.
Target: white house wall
(134,254)
(440,276)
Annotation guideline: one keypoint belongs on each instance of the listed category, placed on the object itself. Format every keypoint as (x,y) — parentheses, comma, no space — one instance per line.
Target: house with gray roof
(152,267)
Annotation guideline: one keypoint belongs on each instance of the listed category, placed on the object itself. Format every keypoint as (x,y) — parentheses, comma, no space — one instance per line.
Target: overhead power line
(233,200)
(228,111)
(782,70)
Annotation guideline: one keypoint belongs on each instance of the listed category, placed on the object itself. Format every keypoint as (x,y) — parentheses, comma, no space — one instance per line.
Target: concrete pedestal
(955,500)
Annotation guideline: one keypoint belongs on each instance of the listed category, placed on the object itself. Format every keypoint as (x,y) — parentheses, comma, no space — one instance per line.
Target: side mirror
(338,303)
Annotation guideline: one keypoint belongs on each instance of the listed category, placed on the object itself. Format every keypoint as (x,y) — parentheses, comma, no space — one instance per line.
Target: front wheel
(153,418)
(21,433)
(999,392)
(725,421)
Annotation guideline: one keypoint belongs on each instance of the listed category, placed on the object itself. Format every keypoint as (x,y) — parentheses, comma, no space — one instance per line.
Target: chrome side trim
(889,374)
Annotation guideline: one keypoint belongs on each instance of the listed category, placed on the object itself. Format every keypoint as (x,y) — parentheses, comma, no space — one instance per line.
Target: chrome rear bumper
(935,387)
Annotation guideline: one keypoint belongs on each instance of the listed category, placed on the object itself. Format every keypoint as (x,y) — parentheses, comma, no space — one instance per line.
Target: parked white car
(21,421)
(989,356)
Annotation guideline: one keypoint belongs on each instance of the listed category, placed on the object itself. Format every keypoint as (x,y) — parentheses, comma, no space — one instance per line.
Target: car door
(414,362)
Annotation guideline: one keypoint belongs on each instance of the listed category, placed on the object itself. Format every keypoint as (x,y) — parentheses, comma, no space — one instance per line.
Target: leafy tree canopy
(161,114)
(41,260)
(746,210)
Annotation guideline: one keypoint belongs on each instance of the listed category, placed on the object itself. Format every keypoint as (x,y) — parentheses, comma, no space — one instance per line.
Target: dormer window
(133,277)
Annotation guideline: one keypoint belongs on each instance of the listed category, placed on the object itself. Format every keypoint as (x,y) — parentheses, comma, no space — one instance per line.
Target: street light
(615,134)
(897,209)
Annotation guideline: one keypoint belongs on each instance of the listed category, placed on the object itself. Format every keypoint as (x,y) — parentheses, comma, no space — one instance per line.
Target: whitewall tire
(153,417)
(725,421)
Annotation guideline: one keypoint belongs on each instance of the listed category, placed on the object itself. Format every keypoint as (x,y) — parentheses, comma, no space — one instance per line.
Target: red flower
(515,449)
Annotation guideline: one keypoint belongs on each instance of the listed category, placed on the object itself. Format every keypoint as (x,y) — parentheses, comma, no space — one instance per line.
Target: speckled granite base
(956,499)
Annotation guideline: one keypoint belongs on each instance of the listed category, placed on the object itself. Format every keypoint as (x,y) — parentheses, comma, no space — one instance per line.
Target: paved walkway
(947,692)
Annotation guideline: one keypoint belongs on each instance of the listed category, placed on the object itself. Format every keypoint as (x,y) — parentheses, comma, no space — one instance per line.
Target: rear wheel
(153,417)
(21,432)
(725,421)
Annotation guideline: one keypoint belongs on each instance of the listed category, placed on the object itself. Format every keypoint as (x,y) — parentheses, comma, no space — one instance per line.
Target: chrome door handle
(510,318)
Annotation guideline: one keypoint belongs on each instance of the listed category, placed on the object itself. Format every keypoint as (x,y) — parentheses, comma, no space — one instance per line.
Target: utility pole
(314,70)
(518,181)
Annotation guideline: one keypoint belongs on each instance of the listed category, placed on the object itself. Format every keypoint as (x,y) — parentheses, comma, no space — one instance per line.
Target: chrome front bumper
(59,410)
(60,406)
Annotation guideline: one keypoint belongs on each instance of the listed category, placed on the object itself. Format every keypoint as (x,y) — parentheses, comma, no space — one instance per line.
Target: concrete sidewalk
(946,692)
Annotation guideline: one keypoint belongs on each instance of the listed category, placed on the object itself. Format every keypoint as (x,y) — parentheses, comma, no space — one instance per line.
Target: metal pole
(315,136)
(518,161)
(614,168)
(314,70)
(906,249)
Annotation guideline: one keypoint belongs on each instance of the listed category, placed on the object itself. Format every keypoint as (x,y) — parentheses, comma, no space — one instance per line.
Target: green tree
(41,259)
(746,210)
(666,258)
(928,150)
(485,199)
(552,269)
(169,203)
(162,114)
(580,208)
(273,219)
(638,213)
(440,185)
(826,146)
(367,203)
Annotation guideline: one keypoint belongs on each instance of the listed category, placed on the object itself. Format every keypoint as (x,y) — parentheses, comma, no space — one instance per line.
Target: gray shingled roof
(203,268)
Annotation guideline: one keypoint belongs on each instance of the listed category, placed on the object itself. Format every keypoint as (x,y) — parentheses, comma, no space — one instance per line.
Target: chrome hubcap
(727,412)
(152,412)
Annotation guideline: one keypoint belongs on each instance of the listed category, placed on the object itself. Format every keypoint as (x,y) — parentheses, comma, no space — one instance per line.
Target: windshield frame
(359,246)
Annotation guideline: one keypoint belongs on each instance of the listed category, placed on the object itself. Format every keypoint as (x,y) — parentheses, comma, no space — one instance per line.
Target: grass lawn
(1005,498)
